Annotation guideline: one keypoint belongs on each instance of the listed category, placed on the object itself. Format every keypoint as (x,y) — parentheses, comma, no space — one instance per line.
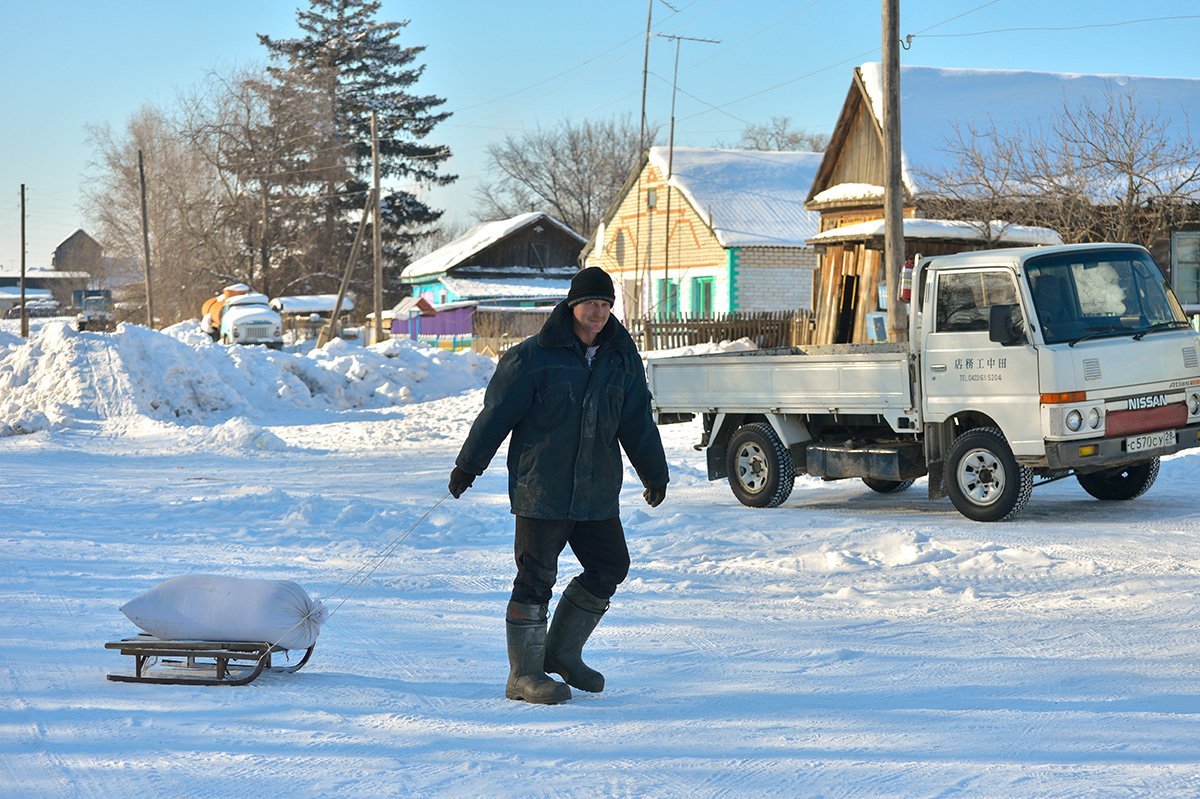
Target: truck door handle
(937,367)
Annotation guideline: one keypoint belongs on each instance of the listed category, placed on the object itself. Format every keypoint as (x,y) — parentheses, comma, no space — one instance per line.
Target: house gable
(723,210)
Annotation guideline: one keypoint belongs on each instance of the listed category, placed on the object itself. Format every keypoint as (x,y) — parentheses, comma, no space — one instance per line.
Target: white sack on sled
(208,607)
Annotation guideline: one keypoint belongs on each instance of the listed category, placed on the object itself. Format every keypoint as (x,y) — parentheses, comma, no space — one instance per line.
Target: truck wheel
(985,482)
(761,472)
(887,486)
(1124,482)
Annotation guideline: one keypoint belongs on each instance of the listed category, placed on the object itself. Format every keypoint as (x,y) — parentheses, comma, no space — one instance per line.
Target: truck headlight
(1094,418)
(1193,404)
(1074,421)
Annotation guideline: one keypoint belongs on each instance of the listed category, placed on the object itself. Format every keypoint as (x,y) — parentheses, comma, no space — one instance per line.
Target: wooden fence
(766,329)
(496,331)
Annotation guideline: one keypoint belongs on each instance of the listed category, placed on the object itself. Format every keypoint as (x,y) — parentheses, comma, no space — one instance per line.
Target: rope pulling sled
(218,662)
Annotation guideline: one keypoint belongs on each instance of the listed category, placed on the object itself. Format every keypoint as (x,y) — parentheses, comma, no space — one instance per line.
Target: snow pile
(61,378)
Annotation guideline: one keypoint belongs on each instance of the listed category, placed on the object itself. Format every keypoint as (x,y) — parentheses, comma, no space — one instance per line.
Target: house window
(667,300)
(702,296)
(651,198)
(620,248)
(1185,267)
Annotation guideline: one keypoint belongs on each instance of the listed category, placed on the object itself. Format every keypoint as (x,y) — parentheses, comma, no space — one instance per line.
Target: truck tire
(983,479)
(887,486)
(1123,482)
(761,472)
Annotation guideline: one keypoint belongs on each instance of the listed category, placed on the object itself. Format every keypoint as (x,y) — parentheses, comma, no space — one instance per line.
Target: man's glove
(460,481)
(655,496)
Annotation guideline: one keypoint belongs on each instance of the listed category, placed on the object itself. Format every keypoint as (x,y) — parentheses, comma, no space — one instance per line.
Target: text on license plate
(1164,438)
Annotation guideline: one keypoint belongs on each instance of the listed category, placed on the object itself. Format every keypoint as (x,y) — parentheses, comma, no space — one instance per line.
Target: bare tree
(258,136)
(778,134)
(181,206)
(572,171)
(1102,171)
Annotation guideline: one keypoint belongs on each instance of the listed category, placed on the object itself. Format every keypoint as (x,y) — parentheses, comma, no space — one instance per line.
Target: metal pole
(146,244)
(642,152)
(671,166)
(893,196)
(24,310)
(670,171)
(376,242)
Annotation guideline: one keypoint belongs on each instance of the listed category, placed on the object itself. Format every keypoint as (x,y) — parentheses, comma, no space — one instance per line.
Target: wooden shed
(848,193)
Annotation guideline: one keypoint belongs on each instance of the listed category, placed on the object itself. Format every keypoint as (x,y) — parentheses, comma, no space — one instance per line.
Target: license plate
(1160,440)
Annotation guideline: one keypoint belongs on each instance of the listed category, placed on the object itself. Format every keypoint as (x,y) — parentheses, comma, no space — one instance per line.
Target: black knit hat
(592,283)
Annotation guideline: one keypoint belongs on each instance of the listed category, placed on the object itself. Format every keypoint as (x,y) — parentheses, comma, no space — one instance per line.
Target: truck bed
(837,378)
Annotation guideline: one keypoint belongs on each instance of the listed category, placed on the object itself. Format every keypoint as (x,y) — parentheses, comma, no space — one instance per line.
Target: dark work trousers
(598,546)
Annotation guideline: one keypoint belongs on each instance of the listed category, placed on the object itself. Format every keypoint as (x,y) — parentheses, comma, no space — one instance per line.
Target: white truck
(250,319)
(1047,362)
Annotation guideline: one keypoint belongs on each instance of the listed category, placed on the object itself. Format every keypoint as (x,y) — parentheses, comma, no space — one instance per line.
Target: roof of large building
(934,102)
(475,240)
(747,197)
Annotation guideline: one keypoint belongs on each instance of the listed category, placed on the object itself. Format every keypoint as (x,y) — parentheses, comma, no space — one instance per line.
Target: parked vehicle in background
(239,315)
(36,309)
(95,309)
(210,311)
(1048,362)
(249,319)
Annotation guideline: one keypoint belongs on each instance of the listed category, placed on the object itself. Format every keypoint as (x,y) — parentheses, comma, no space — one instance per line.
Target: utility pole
(146,243)
(893,190)
(328,330)
(671,166)
(642,153)
(376,241)
(24,310)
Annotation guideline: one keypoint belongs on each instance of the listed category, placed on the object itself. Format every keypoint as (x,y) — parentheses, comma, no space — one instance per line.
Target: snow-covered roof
(933,100)
(310,303)
(41,273)
(748,197)
(847,192)
(475,240)
(531,288)
(945,229)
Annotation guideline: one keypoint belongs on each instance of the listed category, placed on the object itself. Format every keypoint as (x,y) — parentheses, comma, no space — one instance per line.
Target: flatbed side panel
(844,383)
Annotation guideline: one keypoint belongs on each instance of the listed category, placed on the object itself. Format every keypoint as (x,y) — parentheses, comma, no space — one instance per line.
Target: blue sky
(505,68)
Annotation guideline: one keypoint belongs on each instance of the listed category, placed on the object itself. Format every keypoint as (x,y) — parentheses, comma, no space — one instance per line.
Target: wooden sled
(198,662)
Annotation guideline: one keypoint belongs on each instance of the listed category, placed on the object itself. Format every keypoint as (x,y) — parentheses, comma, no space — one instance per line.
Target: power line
(912,36)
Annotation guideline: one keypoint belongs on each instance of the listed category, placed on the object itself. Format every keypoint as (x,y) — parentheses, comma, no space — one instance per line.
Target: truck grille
(1164,417)
(258,331)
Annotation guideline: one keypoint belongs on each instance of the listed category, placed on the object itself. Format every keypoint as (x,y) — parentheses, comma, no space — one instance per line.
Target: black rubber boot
(526,625)
(575,618)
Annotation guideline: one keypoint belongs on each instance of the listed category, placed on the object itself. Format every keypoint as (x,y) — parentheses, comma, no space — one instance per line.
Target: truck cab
(250,319)
(1074,359)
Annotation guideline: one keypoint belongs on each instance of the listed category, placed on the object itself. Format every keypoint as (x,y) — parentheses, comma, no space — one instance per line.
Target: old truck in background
(1021,363)
(240,316)
(95,309)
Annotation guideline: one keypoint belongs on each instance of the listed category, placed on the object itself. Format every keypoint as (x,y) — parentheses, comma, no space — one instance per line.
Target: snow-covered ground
(848,644)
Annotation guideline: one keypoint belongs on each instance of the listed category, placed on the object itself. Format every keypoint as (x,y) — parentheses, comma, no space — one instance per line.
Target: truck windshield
(1097,293)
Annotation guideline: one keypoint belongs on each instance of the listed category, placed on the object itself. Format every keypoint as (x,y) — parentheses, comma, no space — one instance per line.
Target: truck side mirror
(1006,325)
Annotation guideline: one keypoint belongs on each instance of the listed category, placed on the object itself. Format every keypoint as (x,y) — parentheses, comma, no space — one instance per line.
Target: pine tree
(354,64)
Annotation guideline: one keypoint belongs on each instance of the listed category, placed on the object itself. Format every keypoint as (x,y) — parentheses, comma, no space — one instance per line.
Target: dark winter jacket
(566,420)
